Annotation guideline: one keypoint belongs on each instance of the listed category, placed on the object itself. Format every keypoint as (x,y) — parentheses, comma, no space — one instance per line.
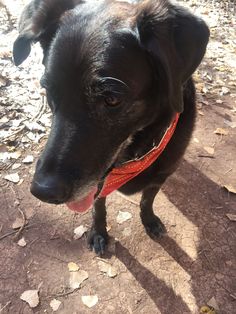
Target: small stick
(206,156)
(62,294)
(22,227)
(9,302)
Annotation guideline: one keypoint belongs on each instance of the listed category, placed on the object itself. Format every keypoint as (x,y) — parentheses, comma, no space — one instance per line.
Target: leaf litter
(89,300)
(77,278)
(55,304)
(123,216)
(31,297)
(107,268)
(79,232)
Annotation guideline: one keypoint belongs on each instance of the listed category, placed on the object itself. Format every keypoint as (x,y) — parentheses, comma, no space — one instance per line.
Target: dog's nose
(50,189)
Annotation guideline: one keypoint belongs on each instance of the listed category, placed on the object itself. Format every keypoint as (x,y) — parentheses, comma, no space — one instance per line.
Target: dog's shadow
(206,196)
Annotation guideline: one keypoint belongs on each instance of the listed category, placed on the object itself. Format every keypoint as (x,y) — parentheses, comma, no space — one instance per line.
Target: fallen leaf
(21,242)
(73,266)
(89,300)
(28,159)
(79,231)
(230,188)
(213,304)
(230,124)
(221,131)
(224,91)
(201,112)
(14,177)
(55,304)
(18,223)
(123,216)
(207,310)
(77,277)
(15,155)
(107,268)
(196,140)
(31,297)
(209,149)
(15,166)
(232,217)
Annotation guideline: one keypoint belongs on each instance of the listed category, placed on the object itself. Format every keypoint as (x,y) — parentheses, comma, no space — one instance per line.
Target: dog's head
(111,69)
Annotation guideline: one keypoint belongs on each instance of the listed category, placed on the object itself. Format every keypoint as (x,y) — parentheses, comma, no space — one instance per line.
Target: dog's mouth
(85,203)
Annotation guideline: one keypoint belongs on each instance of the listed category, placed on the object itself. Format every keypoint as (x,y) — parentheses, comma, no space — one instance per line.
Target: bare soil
(177,274)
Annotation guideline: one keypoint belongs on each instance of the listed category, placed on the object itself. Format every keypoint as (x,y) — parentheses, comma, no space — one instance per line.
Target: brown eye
(112,101)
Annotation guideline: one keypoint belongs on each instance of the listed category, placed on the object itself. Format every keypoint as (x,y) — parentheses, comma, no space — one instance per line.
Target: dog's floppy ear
(176,41)
(38,22)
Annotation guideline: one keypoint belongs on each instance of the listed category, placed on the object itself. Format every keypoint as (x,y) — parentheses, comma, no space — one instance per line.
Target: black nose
(50,189)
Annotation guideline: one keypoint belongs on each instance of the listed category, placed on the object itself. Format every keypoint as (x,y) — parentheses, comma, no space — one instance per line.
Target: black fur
(115,75)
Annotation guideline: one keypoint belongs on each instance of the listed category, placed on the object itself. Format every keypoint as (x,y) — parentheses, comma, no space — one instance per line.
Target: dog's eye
(112,101)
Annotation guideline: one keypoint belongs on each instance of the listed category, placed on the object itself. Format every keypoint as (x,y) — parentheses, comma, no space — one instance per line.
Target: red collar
(130,169)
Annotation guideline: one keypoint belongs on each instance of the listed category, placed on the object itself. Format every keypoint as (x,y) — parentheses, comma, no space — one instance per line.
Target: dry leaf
(209,149)
(14,177)
(224,91)
(15,166)
(221,131)
(73,266)
(89,300)
(79,231)
(123,216)
(77,277)
(55,304)
(15,155)
(21,242)
(232,217)
(230,124)
(196,140)
(31,297)
(207,310)
(18,223)
(230,188)
(213,304)
(28,159)
(107,268)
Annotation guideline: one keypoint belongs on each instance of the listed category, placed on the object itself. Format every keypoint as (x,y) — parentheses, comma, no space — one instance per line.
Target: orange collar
(130,169)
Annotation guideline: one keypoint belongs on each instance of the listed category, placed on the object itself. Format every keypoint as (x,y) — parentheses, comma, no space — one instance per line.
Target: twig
(206,156)
(127,198)
(228,170)
(14,231)
(9,302)
(22,227)
(62,294)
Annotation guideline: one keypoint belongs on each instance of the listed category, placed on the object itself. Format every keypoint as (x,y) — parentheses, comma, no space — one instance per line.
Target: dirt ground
(177,274)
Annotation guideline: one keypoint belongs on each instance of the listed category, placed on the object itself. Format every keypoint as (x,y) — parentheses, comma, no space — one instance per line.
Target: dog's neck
(144,140)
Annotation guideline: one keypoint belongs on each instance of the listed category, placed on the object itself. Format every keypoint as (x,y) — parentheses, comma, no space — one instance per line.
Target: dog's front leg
(152,223)
(98,236)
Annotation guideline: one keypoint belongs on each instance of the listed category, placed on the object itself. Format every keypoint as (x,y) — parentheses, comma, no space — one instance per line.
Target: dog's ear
(39,22)
(176,41)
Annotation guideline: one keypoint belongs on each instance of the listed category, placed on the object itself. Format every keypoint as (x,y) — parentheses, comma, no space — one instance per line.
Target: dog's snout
(50,189)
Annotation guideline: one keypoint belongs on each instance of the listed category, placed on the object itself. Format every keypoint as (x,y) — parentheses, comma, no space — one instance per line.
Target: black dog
(116,74)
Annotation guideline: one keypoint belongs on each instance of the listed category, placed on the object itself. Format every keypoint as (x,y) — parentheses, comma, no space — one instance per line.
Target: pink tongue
(84,204)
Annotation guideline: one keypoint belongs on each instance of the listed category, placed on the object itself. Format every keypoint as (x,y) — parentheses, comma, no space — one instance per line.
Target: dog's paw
(153,226)
(97,241)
